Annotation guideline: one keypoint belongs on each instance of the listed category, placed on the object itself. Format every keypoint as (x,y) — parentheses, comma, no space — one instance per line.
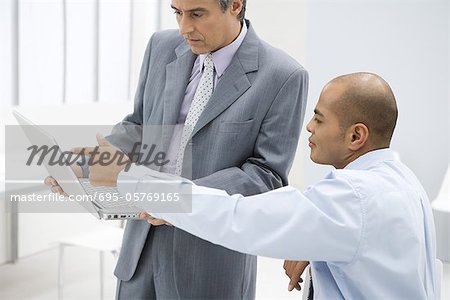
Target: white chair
(306,283)
(104,240)
(439,276)
(441,212)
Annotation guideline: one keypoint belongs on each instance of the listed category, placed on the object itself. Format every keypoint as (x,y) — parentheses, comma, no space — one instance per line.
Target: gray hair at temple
(224,4)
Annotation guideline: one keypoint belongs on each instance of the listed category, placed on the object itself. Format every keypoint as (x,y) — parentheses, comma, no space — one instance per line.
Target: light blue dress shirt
(367,229)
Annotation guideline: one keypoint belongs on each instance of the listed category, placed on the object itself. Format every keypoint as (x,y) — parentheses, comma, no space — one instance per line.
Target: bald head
(366,98)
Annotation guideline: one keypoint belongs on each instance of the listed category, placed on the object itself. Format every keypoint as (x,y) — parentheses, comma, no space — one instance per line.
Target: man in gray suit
(244,136)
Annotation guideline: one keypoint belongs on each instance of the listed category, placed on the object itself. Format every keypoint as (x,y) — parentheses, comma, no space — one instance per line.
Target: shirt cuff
(127,181)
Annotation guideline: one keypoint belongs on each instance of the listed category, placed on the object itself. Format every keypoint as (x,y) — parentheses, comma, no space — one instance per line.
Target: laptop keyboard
(104,196)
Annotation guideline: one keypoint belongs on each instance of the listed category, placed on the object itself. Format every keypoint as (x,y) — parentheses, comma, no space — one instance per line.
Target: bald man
(366,228)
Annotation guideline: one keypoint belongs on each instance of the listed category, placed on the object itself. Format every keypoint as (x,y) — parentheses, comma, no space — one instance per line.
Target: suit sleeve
(129,131)
(275,146)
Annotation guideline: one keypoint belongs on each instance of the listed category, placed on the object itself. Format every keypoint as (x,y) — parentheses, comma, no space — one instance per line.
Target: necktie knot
(208,62)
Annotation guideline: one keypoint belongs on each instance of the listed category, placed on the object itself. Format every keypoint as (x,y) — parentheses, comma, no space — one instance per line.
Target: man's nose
(185,25)
(309,127)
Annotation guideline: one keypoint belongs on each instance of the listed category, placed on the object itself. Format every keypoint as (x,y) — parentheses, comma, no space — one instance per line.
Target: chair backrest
(306,283)
(441,213)
(439,276)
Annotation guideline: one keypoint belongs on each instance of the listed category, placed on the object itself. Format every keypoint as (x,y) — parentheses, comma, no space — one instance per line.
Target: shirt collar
(372,158)
(222,57)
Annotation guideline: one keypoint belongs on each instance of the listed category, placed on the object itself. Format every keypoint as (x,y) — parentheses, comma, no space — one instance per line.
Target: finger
(144,215)
(290,287)
(85,150)
(157,222)
(49,180)
(295,278)
(152,221)
(294,285)
(57,189)
(294,281)
(101,140)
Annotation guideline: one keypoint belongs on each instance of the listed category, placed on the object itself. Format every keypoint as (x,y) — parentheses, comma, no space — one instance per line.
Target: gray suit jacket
(244,142)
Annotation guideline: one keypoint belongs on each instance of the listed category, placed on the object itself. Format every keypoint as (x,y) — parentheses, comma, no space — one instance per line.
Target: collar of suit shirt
(222,57)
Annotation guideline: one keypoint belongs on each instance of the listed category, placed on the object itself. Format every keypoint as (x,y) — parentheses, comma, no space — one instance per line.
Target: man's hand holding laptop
(100,173)
(105,163)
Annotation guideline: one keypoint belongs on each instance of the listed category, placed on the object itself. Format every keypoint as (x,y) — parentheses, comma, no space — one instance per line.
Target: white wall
(406,42)
(5,53)
(41,49)
(5,96)
(41,66)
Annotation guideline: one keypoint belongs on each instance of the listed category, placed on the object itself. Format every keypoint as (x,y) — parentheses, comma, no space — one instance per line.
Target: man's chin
(313,159)
(198,51)
(317,160)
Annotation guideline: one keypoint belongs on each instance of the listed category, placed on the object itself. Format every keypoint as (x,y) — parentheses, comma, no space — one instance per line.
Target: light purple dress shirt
(222,59)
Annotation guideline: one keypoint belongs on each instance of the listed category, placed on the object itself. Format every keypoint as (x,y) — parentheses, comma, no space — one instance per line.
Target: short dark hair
(224,4)
(367,98)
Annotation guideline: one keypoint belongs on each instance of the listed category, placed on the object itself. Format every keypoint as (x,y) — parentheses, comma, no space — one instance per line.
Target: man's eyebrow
(190,10)
(317,112)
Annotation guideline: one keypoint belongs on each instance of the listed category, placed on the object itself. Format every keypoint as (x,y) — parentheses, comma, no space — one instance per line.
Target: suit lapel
(178,73)
(234,81)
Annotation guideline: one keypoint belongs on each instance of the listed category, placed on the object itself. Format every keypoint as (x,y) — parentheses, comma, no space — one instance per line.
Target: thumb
(143,215)
(293,283)
(82,150)
(101,140)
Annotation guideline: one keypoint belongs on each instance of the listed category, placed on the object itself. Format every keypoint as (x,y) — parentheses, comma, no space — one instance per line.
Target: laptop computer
(72,185)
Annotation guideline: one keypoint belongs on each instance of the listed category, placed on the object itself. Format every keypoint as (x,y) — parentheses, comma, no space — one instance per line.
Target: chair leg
(102,256)
(60,271)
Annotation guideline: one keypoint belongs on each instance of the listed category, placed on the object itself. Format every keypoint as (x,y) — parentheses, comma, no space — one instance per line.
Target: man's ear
(236,7)
(359,135)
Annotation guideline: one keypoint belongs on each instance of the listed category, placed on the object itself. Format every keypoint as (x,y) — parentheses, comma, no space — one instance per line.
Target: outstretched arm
(323,224)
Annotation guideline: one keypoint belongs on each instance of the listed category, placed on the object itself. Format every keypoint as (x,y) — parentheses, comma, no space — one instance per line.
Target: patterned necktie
(201,98)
